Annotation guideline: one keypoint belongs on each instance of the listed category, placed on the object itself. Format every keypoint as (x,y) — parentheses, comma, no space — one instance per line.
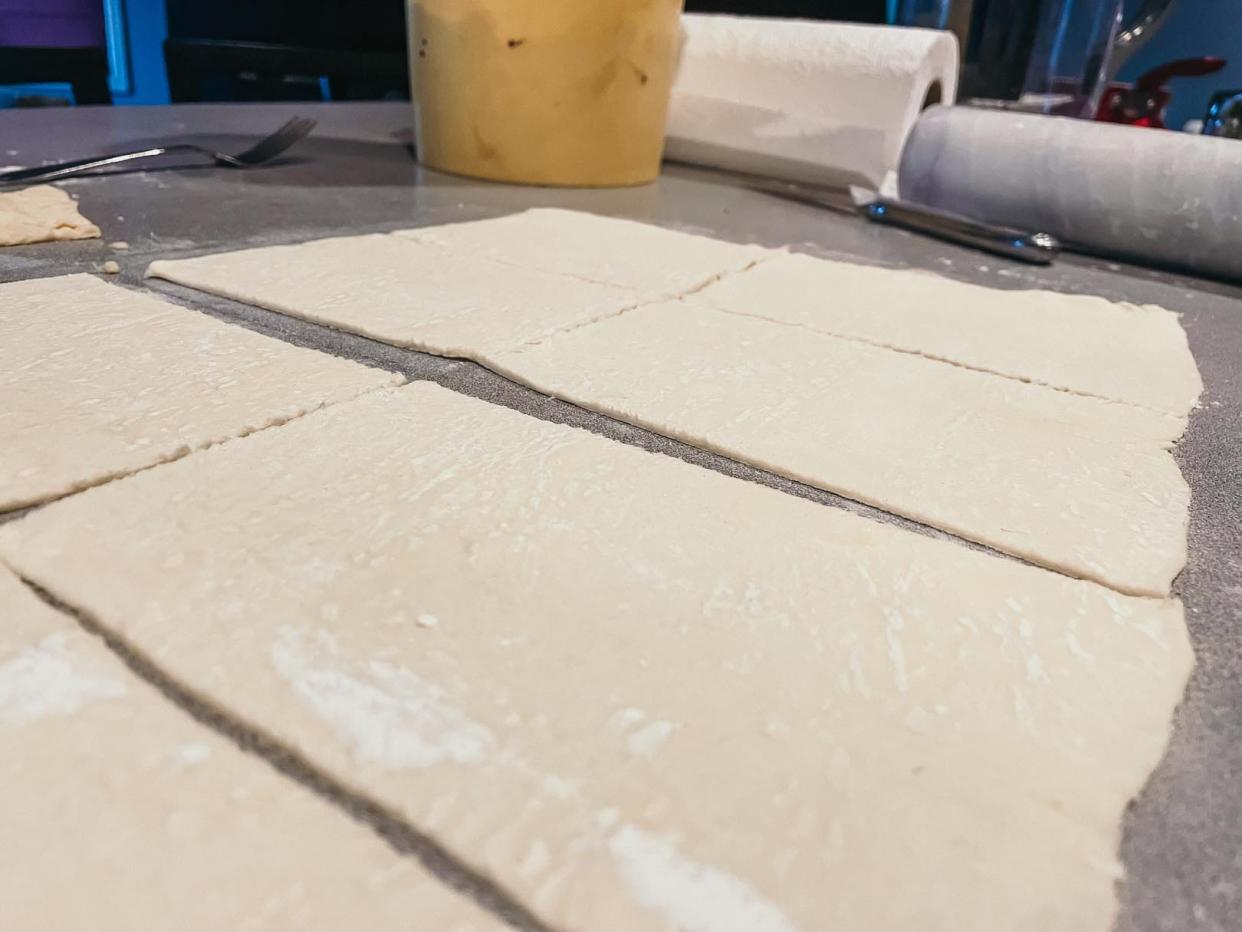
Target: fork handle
(77,166)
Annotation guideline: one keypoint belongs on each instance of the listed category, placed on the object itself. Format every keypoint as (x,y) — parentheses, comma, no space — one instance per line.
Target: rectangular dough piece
(41,214)
(401,292)
(119,811)
(652,259)
(1079,343)
(97,381)
(1078,484)
(639,694)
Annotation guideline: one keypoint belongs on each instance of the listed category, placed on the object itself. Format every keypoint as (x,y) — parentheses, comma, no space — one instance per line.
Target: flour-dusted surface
(99,381)
(653,697)
(665,263)
(41,214)
(1079,343)
(1075,483)
(119,811)
(43,680)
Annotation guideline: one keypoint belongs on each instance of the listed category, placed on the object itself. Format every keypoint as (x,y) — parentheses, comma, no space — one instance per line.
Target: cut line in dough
(1077,343)
(119,811)
(100,381)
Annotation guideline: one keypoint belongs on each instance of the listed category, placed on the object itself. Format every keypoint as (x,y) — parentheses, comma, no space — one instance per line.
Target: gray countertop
(1182,842)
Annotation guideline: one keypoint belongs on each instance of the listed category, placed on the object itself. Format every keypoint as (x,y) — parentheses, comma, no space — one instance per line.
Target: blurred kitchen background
(134,52)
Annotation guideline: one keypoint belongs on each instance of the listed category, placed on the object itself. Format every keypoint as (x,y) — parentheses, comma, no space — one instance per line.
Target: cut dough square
(119,811)
(1075,483)
(41,214)
(98,381)
(403,292)
(647,258)
(1081,343)
(639,694)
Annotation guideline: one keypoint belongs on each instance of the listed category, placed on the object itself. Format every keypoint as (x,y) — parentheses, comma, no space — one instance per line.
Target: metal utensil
(1025,246)
(263,151)
(1036,248)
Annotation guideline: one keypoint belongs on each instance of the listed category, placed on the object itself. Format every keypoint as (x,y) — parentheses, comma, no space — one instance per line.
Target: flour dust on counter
(119,811)
(41,214)
(653,696)
(941,402)
(100,381)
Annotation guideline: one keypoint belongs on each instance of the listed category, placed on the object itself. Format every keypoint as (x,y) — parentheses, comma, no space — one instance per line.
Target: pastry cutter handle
(1036,248)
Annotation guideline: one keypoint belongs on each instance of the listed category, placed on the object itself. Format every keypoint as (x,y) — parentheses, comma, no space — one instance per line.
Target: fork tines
(265,149)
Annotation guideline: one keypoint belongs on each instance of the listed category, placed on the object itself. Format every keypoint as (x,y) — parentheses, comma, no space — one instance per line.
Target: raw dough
(41,214)
(1074,483)
(662,262)
(1083,485)
(1080,343)
(97,381)
(119,811)
(404,293)
(640,694)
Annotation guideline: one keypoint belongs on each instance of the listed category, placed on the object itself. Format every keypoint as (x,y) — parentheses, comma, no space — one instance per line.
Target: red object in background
(1144,102)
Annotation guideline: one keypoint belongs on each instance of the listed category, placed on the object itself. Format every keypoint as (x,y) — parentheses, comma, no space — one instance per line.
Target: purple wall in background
(54,23)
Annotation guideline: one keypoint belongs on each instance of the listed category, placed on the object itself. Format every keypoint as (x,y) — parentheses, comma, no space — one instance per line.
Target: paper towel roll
(1148,195)
(829,103)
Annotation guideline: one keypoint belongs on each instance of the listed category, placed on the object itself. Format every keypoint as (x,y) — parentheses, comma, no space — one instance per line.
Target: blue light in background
(119,80)
(142,28)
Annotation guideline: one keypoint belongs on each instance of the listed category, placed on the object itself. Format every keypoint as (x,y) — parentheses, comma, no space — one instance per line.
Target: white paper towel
(829,103)
(1149,195)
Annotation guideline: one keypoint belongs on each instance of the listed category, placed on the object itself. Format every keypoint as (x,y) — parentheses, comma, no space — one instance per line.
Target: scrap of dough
(654,697)
(1074,483)
(98,381)
(41,214)
(1081,343)
(405,293)
(119,811)
(601,249)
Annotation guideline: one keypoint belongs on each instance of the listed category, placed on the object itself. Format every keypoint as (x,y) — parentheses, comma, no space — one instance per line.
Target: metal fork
(262,151)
